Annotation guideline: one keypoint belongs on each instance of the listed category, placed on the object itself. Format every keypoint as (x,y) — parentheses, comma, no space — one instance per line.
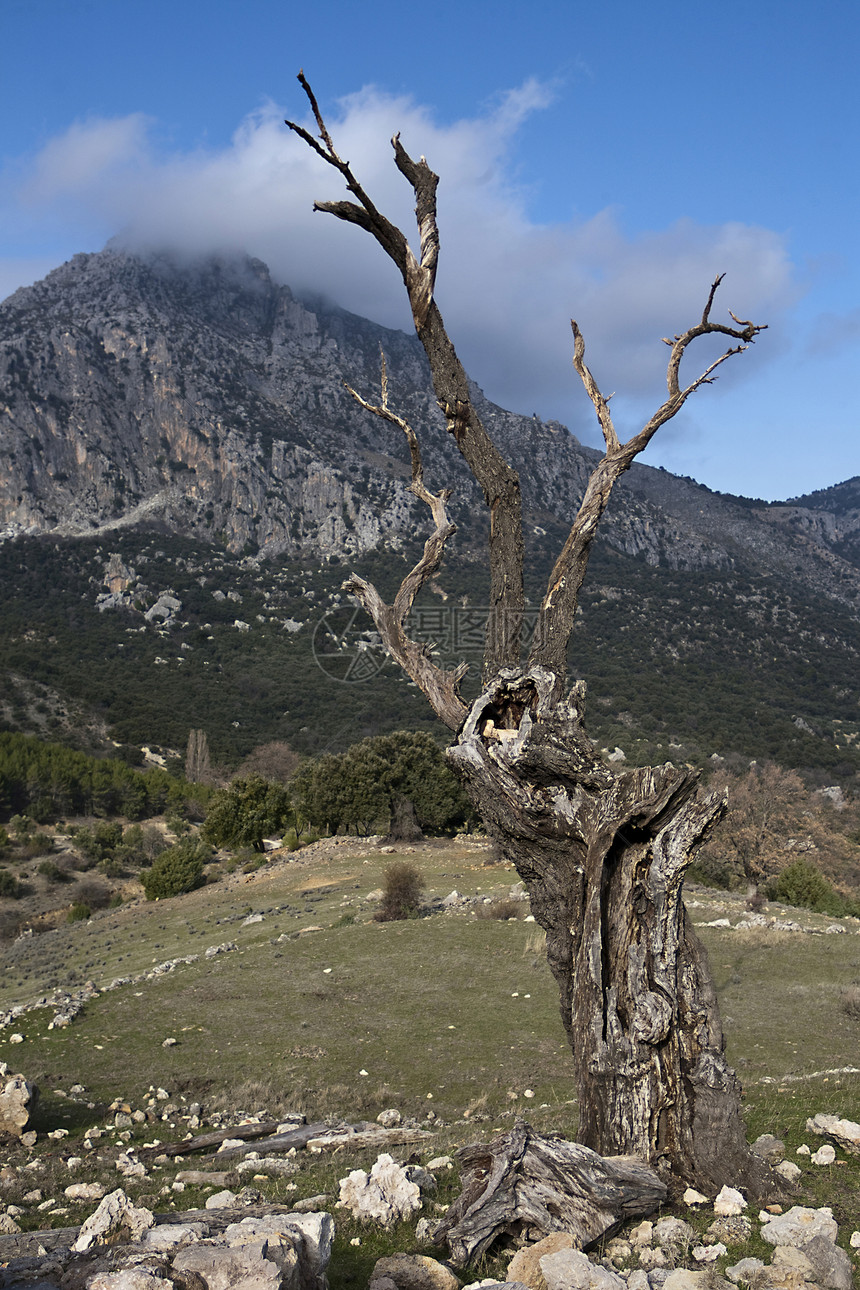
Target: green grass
(452,1016)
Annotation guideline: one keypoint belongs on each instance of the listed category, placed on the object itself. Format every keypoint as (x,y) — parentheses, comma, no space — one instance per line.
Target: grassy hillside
(451,1018)
(680,665)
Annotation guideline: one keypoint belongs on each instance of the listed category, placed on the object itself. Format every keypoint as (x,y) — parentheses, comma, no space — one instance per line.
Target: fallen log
(244,1132)
(527,1186)
(357,1139)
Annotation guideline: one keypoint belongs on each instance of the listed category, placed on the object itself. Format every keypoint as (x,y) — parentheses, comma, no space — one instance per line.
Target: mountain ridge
(204,393)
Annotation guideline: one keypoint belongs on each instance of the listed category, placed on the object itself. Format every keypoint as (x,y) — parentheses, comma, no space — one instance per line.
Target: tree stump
(527,1186)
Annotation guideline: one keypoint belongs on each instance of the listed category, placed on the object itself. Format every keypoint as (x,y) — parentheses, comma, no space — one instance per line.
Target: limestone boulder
(573,1270)
(799,1225)
(116,1219)
(413,1272)
(845,1133)
(18,1098)
(385,1195)
(525,1265)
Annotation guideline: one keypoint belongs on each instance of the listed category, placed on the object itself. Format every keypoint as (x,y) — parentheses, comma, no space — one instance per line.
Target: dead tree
(603,853)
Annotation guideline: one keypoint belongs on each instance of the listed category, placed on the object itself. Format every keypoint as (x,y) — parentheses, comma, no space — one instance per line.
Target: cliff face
(204,396)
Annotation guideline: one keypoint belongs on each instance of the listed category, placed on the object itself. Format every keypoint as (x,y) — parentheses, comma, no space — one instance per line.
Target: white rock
(673,1231)
(709,1253)
(167,1236)
(17,1101)
(573,1270)
(125,1279)
(114,1214)
(803,1150)
(692,1198)
(85,1191)
(799,1225)
(744,1270)
(825,1155)
(854,1240)
(653,1257)
(642,1233)
(788,1169)
(389,1119)
(129,1167)
(729,1201)
(225,1199)
(386,1194)
(686,1279)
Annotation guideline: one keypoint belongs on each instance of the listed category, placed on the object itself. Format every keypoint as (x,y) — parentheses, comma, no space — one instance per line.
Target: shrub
(849,1001)
(95,895)
(177,870)
(78,913)
(10,886)
(803,885)
(99,842)
(401,892)
(51,870)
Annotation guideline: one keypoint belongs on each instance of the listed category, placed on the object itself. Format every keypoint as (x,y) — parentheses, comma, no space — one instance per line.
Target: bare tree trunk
(603,855)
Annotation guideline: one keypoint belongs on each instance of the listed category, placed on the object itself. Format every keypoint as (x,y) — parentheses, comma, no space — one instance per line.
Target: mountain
(200,401)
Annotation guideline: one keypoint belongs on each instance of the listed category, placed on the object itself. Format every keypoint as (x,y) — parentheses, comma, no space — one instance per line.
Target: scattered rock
(18,1099)
(85,1191)
(845,1133)
(116,1218)
(642,1233)
(789,1170)
(733,1229)
(831,1265)
(414,1272)
(825,1155)
(8,1226)
(744,1271)
(768,1148)
(798,1225)
(389,1119)
(572,1270)
(694,1198)
(225,1199)
(709,1253)
(525,1265)
(168,1236)
(386,1194)
(728,1202)
(674,1232)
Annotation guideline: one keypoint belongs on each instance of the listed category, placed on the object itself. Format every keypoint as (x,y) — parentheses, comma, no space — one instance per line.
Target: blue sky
(602,162)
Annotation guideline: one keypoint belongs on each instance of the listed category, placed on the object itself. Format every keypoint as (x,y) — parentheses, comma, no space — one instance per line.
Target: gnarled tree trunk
(602,852)
(603,855)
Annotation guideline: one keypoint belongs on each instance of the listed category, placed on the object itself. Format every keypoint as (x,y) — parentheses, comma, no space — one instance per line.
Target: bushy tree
(364,786)
(249,810)
(177,870)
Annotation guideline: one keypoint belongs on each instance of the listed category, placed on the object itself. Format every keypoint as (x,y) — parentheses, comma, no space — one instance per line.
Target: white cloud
(80,161)
(507,284)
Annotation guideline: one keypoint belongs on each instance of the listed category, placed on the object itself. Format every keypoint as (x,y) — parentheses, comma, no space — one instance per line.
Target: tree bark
(528,1186)
(603,855)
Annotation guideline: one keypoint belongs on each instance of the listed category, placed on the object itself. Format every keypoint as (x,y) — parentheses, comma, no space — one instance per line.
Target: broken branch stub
(527,1186)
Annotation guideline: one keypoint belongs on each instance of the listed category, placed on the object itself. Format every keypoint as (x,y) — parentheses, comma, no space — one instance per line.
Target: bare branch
(558,607)
(498,481)
(441,688)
